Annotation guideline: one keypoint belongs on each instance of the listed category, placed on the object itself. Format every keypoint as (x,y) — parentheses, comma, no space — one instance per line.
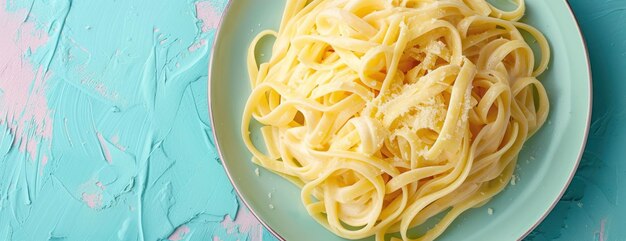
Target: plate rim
(587,125)
(219,30)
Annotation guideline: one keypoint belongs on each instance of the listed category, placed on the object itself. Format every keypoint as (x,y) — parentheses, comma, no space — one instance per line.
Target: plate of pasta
(399,119)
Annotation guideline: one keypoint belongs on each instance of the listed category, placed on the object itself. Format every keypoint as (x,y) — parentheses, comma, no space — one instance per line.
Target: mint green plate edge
(287,219)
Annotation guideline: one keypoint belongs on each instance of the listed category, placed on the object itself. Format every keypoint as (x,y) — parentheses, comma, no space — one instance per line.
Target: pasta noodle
(389,112)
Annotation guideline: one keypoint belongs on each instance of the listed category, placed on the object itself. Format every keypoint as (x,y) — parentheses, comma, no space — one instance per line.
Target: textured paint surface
(104,131)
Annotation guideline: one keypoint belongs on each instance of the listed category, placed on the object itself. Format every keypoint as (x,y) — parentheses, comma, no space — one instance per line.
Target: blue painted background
(111,139)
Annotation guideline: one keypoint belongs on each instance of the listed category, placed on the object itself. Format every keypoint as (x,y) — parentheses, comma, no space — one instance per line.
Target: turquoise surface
(135,72)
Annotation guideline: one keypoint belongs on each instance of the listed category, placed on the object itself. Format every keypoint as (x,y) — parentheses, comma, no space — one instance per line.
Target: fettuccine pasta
(388,112)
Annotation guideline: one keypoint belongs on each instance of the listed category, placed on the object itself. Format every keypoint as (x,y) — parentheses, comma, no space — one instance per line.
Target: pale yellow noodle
(389,112)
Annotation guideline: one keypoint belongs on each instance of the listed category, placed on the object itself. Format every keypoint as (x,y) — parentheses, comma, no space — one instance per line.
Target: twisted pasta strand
(389,112)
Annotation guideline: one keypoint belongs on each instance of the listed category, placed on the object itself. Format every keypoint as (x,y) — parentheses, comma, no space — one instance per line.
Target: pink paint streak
(115,139)
(100,185)
(602,224)
(29,145)
(23,103)
(99,88)
(197,45)
(215,238)
(179,233)
(93,200)
(209,15)
(104,148)
(244,223)
(31,148)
